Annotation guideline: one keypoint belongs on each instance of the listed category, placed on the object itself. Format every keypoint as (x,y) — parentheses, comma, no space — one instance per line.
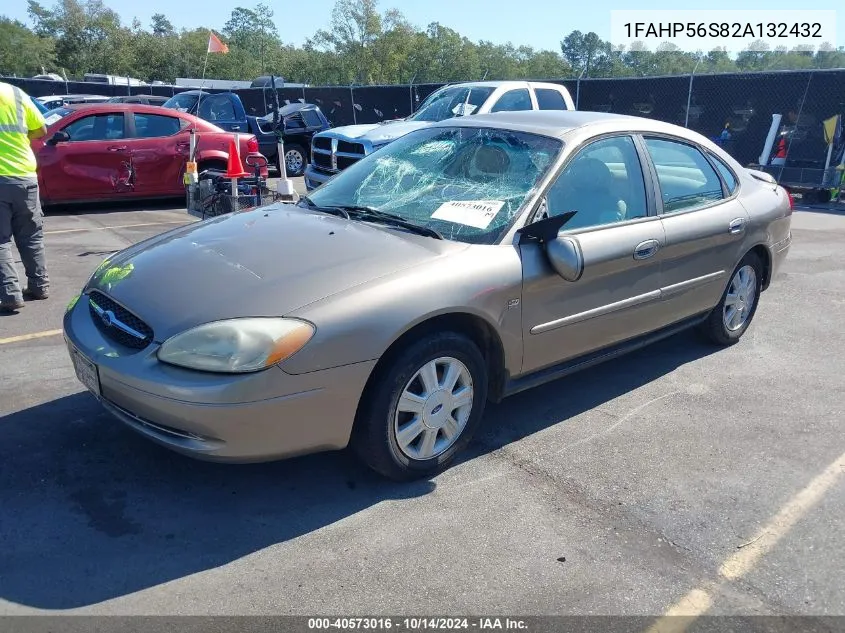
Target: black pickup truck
(298,123)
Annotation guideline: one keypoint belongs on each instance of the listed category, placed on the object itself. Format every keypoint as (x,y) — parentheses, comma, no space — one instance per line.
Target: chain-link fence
(734,109)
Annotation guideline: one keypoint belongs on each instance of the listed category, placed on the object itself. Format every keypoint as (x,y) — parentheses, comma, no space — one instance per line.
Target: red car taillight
(252,145)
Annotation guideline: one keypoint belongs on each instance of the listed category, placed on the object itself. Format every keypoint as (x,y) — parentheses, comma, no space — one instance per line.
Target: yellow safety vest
(18,115)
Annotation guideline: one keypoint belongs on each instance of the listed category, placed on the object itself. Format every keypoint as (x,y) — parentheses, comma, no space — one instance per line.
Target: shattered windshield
(451,102)
(466,183)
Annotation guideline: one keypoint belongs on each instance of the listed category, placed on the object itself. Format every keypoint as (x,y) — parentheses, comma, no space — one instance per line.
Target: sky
(538,23)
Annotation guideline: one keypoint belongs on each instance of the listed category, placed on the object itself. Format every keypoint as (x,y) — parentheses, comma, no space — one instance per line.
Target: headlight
(236,345)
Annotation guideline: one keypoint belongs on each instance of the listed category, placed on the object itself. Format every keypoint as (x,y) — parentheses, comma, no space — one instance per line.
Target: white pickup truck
(337,148)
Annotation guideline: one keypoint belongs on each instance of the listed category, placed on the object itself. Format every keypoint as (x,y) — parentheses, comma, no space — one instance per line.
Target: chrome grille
(345,161)
(345,147)
(118,323)
(322,160)
(322,142)
(332,155)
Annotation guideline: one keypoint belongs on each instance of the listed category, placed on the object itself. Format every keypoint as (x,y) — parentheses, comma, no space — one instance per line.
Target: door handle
(117,148)
(646,249)
(236,127)
(737,225)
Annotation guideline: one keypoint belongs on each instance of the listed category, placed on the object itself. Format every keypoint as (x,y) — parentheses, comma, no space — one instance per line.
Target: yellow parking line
(764,541)
(698,601)
(121,226)
(29,337)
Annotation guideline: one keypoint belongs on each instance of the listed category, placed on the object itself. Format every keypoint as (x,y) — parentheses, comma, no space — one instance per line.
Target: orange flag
(215,45)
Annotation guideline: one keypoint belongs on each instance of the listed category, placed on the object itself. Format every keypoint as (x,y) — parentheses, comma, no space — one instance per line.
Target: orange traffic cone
(234,166)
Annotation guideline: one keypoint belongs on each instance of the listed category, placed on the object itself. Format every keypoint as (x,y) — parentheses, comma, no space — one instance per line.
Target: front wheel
(731,318)
(423,408)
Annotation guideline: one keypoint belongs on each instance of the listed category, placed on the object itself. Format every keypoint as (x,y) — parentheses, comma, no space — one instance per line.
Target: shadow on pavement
(92,512)
(556,402)
(114,206)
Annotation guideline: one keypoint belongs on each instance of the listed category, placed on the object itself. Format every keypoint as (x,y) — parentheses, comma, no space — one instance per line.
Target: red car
(117,151)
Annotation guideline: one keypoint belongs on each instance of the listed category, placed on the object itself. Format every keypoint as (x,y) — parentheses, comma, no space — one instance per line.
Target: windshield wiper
(371,213)
(339,211)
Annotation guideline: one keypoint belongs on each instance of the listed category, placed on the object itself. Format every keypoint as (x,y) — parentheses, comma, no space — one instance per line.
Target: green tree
(22,52)
(587,53)
(88,36)
(162,27)
(355,26)
(361,44)
(253,39)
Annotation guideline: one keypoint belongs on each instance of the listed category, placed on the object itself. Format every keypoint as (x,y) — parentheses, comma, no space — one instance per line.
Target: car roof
(118,107)
(146,96)
(70,96)
(141,108)
(502,83)
(559,123)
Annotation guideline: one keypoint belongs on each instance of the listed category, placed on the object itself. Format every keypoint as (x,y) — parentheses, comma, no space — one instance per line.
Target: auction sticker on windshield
(52,119)
(477,213)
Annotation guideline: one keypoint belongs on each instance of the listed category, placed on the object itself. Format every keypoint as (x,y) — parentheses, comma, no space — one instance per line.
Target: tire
(376,435)
(299,164)
(719,328)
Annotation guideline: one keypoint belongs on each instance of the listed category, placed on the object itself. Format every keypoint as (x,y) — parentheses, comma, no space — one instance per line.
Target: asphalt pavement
(679,479)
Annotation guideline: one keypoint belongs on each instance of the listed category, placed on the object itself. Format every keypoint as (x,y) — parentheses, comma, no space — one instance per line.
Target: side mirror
(59,137)
(566,258)
(564,252)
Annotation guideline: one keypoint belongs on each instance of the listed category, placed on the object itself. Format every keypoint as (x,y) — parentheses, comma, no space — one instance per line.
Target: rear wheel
(295,160)
(423,408)
(731,318)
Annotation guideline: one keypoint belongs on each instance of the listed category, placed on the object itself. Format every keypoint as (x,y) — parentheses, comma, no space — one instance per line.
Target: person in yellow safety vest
(21,217)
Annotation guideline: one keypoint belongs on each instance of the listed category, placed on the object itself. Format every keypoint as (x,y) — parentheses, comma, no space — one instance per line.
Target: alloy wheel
(739,302)
(434,408)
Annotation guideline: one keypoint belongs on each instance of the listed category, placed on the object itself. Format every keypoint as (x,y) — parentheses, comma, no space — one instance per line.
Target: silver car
(462,263)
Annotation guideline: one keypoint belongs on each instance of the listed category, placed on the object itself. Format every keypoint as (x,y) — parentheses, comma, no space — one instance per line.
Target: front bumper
(315,177)
(261,416)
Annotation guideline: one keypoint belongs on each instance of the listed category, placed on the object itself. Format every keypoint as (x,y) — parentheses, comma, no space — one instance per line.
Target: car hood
(378,132)
(264,262)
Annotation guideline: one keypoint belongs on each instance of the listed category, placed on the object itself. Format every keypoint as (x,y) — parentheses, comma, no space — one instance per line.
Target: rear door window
(687,181)
(548,99)
(514,101)
(155,125)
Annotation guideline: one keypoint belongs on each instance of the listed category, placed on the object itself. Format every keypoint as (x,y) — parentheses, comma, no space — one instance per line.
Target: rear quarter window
(727,174)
